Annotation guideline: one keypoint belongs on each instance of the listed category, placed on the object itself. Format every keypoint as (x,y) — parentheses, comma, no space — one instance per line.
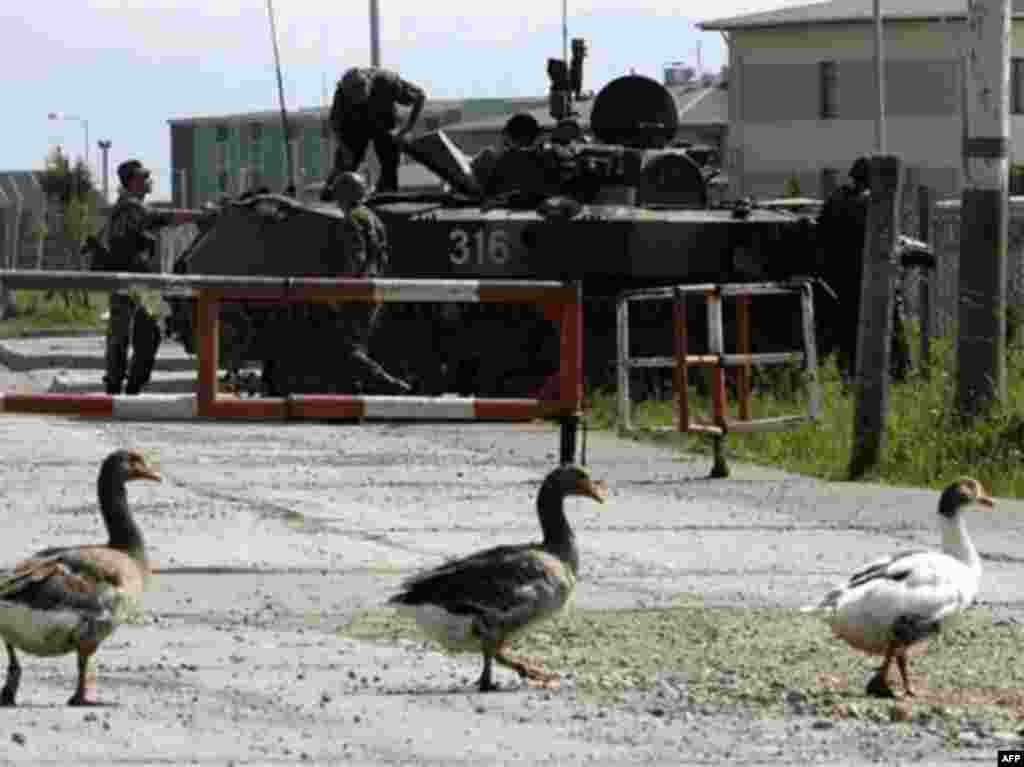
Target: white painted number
(480,247)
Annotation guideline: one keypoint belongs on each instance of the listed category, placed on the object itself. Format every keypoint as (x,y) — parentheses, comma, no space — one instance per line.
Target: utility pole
(374,33)
(879,79)
(981,310)
(565,31)
(105,149)
(874,330)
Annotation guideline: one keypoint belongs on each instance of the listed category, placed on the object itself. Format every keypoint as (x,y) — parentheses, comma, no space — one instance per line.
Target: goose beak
(592,488)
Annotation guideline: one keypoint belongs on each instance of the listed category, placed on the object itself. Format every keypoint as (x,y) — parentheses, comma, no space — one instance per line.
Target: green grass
(754,657)
(925,443)
(40,310)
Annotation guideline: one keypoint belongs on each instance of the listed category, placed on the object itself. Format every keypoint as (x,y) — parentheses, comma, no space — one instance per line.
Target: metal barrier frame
(562,303)
(716,361)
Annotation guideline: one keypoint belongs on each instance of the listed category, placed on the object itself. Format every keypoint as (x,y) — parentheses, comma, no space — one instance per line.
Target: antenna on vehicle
(290,190)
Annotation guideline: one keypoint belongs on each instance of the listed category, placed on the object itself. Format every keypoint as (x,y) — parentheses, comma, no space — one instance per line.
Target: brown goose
(480,602)
(65,600)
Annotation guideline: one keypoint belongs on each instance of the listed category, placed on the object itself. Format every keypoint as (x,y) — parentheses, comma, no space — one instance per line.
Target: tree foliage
(63,180)
(70,188)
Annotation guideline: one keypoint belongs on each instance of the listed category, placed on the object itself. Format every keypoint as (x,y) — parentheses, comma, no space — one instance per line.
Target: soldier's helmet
(860,171)
(349,189)
(355,84)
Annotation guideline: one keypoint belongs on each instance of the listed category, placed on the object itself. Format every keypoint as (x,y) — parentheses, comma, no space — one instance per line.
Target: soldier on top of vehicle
(519,134)
(364,110)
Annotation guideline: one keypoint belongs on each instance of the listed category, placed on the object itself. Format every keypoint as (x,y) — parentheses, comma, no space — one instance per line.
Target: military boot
(375,379)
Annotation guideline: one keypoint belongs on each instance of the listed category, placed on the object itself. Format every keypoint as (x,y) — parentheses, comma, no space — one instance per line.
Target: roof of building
(849,11)
(710,106)
(470,109)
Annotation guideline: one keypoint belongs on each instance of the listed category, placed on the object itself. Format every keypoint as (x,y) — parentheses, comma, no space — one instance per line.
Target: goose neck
(117,516)
(957,542)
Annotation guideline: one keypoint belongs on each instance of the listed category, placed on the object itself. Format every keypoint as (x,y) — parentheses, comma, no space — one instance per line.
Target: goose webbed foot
(526,668)
(878,687)
(10,689)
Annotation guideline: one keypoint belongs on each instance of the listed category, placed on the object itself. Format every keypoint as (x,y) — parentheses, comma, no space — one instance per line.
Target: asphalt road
(268,536)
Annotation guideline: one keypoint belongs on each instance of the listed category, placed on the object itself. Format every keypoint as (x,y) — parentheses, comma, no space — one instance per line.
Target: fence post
(571,374)
(874,333)
(924,282)
(622,366)
(680,373)
(743,346)
(208,338)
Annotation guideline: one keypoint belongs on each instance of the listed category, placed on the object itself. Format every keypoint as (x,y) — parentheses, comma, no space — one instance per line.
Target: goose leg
(878,686)
(486,682)
(901,661)
(81,696)
(10,690)
(523,668)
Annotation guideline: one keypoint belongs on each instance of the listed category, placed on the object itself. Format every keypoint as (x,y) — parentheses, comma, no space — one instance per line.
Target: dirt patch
(770,662)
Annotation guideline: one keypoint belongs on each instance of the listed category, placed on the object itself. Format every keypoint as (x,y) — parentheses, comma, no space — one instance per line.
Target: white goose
(892,603)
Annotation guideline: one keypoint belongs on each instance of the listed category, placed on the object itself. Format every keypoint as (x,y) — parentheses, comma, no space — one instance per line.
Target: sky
(120,69)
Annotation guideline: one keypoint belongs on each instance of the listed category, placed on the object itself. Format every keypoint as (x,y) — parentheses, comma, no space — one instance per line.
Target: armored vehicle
(617,209)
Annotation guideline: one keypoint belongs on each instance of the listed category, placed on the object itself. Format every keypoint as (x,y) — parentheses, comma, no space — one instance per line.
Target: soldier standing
(364,110)
(842,224)
(131,241)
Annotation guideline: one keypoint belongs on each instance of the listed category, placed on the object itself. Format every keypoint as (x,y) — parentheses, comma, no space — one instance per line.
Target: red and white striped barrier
(181,407)
(561,302)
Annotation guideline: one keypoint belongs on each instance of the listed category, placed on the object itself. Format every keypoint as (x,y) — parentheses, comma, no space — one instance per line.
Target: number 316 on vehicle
(479,247)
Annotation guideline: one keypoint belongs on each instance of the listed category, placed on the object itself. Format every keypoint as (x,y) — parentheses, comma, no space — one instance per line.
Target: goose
(891,604)
(69,599)
(480,602)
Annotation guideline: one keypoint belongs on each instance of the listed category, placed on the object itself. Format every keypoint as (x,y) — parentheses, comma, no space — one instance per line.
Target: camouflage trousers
(131,324)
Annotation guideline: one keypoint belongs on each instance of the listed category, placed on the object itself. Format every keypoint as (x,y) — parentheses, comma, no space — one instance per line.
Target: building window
(222,182)
(255,132)
(1017,86)
(829,87)
(222,132)
(220,155)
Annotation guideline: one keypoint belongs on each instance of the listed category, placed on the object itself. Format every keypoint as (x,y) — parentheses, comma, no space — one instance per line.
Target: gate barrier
(562,303)
(716,360)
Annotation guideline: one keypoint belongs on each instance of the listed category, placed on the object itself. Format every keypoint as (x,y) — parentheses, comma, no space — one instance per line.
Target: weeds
(925,444)
(39,310)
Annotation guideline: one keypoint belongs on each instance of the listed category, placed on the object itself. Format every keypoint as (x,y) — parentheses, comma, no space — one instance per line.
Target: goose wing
(503,579)
(927,584)
(80,578)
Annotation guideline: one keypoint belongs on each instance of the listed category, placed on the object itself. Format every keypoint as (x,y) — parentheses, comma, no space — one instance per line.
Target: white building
(803,101)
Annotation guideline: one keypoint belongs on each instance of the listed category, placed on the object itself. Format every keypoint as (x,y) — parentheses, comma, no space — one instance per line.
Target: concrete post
(981,313)
(874,334)
(105,150)
(925,280)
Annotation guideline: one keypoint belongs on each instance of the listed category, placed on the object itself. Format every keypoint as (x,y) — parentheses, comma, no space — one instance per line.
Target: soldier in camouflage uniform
(131,243)
(364,110)
(364,241)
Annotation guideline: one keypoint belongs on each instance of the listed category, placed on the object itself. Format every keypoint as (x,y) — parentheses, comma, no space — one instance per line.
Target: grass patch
(42,310)
(757,658)
(925,443)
